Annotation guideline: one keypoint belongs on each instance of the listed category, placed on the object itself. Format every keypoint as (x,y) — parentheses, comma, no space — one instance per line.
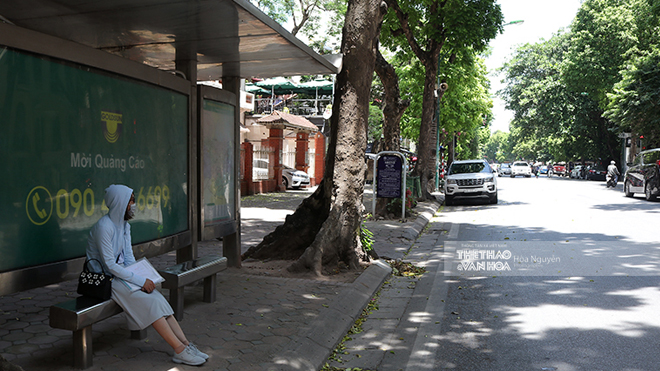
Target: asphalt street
(560,275)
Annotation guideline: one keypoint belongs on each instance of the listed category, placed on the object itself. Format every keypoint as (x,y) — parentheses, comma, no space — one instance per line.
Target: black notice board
(389,176)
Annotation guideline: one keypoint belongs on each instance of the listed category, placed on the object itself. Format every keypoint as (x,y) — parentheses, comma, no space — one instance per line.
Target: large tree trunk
(393,109)
(428,54)
(324,229)
(338,239)
(427,141)
(290,239)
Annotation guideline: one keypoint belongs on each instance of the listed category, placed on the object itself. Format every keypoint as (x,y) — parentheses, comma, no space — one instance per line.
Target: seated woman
(110,243)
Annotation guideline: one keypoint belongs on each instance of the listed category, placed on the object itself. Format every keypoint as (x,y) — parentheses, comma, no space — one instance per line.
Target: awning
(226,37)
(285,120)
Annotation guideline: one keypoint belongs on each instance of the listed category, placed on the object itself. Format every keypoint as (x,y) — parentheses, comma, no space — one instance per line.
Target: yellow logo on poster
(112,125)
(39,205)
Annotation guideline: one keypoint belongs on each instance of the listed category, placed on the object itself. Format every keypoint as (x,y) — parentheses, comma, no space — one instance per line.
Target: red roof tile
(288,120)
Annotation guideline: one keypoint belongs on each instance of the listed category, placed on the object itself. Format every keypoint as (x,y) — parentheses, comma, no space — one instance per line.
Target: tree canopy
(559,88)
(428,32)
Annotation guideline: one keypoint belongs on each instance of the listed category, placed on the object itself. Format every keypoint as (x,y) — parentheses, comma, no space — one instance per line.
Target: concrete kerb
(428,210)
(311,350)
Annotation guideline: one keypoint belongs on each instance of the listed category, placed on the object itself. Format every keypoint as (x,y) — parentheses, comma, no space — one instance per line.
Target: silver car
(292,178)
(521,168)
(470,179)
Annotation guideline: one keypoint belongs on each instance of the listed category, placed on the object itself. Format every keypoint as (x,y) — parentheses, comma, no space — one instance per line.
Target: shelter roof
(288,121)
(226,37)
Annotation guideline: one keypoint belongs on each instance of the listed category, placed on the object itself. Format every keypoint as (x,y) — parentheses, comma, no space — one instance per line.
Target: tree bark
(426,143)
(338,239)
(429,58)
(324,230)
(393,109)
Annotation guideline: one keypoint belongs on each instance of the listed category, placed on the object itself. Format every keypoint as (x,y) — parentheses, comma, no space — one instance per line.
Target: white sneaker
(188,357)
(197,351)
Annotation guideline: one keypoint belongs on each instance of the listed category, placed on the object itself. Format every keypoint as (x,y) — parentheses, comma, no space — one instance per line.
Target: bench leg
(209,288)
(82,348)
(176,301)
(139,334)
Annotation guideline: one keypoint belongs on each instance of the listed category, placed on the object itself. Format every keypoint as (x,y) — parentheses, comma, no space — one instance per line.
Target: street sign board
(389,176)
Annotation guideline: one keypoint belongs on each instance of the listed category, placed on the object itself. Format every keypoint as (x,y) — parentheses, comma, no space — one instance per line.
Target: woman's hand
(148,286)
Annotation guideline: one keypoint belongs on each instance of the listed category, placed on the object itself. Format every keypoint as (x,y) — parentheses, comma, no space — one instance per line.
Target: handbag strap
(86,269)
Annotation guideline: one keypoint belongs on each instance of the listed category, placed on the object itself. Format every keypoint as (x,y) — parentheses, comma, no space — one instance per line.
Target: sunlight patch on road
(629,321)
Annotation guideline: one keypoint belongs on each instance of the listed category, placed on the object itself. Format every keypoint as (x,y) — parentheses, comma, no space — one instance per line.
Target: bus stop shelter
(95,93)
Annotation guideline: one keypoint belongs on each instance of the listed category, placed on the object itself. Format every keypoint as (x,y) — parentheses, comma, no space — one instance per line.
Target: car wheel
(449,200)
(285,183)
(647,193)
(493,199)
(626,189)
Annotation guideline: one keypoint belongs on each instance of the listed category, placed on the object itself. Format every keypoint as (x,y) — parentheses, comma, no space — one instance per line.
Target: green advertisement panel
(68,132)
(218,162)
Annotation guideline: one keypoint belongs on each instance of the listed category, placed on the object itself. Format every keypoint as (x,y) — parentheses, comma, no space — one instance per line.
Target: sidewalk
(256,323)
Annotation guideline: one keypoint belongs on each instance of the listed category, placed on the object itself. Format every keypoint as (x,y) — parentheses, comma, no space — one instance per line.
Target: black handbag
(96,285)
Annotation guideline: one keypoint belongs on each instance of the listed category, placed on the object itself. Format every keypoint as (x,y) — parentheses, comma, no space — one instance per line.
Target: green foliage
(278,10)
(308,17)
(634,103)
(394,206)
(551,120)
(601,34)
(466,106)
(497,148)
(366,238)
(375,130)
(438,33)
(457,24)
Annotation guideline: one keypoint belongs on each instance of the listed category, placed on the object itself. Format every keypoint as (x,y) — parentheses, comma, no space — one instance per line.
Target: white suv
(521,168)
(470,179)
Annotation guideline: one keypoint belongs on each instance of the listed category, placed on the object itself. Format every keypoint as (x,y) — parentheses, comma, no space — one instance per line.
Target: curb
(412,232)
(311,349)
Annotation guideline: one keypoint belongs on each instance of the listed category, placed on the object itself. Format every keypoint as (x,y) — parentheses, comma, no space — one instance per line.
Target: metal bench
(180,275)
(78,315)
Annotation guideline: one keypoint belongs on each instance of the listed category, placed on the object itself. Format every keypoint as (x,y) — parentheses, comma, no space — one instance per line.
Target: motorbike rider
(612,173)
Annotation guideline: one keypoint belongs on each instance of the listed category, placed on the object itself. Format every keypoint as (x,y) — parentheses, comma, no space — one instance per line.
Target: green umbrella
(278,85)
(318,86)
(251,88)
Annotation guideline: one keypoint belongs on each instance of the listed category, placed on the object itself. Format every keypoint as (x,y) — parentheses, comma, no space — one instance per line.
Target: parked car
(643,175)
(470,179)
(558,169)
(577,172)
(543,169)
(260,169)
(292,178)
(505,169)
(596,172)
(521,168)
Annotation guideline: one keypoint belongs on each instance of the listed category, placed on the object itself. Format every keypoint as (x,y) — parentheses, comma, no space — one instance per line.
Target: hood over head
(116,198)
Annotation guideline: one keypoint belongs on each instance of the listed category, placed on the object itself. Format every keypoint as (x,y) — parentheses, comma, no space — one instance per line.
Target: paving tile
(253,321)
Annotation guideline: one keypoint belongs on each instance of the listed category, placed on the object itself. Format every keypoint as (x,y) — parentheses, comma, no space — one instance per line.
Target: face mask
(132,210)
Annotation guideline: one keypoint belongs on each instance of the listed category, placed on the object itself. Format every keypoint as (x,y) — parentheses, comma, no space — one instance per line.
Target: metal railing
(260,164)
(301,107)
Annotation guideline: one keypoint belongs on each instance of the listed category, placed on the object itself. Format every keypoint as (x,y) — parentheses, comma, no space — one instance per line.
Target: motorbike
(611,180)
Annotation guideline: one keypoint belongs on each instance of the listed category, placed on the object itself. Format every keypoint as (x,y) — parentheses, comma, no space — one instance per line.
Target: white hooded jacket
(109,240)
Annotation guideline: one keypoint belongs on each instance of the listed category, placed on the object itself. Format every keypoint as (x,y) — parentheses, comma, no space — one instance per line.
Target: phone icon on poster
(40,211)
(38,205)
